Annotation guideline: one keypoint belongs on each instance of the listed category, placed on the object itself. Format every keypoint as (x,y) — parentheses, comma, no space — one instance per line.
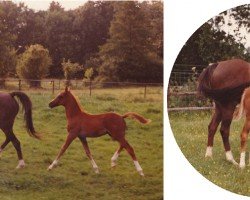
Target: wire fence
(88,87)
(182,89)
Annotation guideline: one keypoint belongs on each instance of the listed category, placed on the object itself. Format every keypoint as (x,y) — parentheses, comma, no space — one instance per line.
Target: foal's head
(61,98)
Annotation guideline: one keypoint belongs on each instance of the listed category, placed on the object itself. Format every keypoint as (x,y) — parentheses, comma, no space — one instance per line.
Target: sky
(44,5)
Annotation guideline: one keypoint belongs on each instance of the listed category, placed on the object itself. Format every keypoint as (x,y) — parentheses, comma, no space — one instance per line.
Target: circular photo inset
(209,99)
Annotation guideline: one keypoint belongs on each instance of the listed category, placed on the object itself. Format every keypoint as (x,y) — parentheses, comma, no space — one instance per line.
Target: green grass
(74,178)
(190,131)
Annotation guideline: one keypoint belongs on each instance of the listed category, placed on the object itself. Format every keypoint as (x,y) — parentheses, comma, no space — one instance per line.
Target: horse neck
(72,108)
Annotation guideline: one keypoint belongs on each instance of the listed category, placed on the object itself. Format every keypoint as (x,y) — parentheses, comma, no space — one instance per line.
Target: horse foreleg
(115,156)
(86,148)
(216,119)
(68,141)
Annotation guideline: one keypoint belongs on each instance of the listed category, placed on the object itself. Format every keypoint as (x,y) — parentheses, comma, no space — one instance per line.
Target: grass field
(74,178)
(190,131)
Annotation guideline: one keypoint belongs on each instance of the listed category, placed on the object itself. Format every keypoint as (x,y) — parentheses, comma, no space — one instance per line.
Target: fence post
(145,91)
(90,88)
(53,86)
(59,84)
(19,85)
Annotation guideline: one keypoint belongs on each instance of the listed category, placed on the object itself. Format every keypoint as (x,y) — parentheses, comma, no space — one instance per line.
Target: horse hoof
(21,164)
(141,173)
(242,166)
(50,168)
(97,171)
(113,165)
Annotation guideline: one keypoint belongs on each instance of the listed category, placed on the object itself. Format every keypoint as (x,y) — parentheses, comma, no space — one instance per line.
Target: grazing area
(74,177)
(190,131)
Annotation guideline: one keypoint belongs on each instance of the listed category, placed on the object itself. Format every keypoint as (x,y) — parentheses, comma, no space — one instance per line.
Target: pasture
(190,131)
(74,178)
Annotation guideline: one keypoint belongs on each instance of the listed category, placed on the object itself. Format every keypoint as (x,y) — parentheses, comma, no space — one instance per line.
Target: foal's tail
(241,109)
(137,117)
(27,105)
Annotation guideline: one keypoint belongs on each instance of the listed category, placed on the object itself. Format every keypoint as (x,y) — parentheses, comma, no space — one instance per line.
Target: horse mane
(204,80)
(76,98)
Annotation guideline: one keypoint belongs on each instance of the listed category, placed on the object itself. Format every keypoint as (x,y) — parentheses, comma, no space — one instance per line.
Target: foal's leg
(68,141)
(244,135)
(17,145)
(216,119)
(115,156)
(131,152)
(227,116)
(86,148)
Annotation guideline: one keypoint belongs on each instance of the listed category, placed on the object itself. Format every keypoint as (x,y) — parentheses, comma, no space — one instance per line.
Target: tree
(209,44)
(91,26)
(34,64)
(70,70)
(59,37)
(125,56)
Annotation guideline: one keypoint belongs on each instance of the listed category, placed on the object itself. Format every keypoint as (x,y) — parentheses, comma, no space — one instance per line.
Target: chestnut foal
(244,109)
(83,125)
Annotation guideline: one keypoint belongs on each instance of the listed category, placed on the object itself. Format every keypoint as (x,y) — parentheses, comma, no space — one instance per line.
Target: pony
(244,110)
(9,108)
(81,124)
(224,83)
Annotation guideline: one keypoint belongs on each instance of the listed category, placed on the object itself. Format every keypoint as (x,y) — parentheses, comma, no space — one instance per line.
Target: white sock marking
(230,158)
(114,158)
(94,166)
(242,159)
(21,164)
(209,152)
(54,163)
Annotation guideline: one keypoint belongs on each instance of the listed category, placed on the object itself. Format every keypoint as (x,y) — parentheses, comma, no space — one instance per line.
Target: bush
(70,70)
(34,64)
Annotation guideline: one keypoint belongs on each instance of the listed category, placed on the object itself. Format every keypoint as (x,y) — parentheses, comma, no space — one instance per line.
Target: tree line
(100,40)
(211,43)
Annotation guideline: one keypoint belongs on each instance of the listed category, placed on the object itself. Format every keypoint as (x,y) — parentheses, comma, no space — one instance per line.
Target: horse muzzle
(52,104)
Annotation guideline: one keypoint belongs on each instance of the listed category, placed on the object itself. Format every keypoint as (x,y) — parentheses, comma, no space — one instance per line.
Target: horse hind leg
(17,145)
(216,119)
(4,144)
(244,135)
(115,156)
(227,116)
(131,152)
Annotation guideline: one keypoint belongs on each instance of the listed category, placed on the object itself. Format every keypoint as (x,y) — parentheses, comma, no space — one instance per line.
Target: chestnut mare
(82,125)
(244,109)
(224,82)
(8,111)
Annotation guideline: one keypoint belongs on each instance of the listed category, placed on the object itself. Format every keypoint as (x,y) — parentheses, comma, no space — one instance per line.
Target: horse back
(230,74)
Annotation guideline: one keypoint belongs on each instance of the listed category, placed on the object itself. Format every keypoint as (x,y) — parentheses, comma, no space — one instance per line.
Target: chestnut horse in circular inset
(224,83)
(82,125)
(8,111)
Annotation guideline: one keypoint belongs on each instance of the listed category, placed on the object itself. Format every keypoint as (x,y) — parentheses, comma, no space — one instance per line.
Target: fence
(182,91)
(54,85)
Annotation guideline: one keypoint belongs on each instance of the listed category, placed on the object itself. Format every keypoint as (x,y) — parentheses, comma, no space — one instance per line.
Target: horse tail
(27,105)
(137,117)
(241,109)
(204,81)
